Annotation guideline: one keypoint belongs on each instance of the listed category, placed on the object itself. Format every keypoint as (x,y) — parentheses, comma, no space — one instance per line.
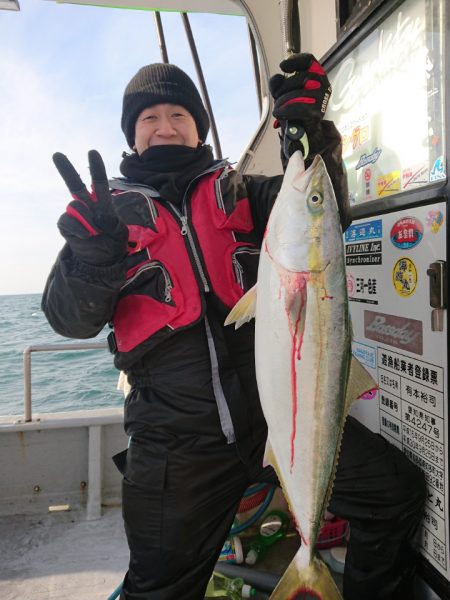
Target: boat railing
(48,348)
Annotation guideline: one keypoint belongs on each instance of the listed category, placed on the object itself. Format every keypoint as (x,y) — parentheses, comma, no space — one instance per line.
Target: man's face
(165,124)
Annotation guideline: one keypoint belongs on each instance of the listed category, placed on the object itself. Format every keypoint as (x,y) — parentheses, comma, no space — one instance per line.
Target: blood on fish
(305,594)
(294,285)
(326,297)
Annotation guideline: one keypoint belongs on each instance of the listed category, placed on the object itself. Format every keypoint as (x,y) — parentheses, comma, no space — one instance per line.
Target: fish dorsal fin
(244,310)
(359,382)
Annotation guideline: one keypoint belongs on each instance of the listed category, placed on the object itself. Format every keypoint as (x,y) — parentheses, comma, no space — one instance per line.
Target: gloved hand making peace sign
(90,224)
(303,95)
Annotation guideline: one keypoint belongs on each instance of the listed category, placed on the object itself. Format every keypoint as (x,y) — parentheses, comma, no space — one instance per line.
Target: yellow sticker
(404,277)
(388,184)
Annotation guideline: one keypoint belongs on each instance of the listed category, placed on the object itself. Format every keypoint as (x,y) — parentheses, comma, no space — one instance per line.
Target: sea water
(62,380)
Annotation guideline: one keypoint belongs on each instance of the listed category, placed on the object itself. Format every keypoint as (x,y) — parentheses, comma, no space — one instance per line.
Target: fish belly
(301,362)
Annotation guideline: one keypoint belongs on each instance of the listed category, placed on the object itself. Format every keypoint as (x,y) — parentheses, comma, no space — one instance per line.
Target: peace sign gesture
(90,224)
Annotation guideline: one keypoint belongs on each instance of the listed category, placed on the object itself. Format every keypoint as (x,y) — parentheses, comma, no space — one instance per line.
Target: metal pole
(203,89)
(94,499)
(47,348)
(27,383)
(161,39)
(256,72)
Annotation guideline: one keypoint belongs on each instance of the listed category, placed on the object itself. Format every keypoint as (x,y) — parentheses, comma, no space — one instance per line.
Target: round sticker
(404,277)
(406,233)
(434,220)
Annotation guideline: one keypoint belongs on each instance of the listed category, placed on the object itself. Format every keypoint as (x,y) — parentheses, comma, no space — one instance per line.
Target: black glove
(302,97)
(90,224)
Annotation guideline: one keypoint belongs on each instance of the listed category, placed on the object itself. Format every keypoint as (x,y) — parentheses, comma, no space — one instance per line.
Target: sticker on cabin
(438,170)
(367,230)
(368,159)
(363,253)
(392,330)
(388,184)
(367,355)
(357,137)
(415,176)
(434,220)
(406,233)
(367,174)
(404,277)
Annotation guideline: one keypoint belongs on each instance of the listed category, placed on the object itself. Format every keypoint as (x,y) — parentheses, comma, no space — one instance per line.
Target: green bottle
(220,586)
(273,528)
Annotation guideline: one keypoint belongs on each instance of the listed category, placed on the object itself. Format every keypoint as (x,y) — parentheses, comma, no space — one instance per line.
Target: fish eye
(315,200)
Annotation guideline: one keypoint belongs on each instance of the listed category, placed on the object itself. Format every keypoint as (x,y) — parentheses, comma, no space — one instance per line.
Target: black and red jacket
(177,254)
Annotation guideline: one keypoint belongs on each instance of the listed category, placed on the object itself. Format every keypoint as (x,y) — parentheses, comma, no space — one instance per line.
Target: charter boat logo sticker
(394,331)
(404,277)
(434,220)
(406,233)
(364,231)
(438,170)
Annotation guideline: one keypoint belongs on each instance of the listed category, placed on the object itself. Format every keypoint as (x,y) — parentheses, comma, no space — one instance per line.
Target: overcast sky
(63,71)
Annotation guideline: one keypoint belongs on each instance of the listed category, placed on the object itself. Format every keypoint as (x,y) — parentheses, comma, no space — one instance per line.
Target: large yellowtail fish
(307,378)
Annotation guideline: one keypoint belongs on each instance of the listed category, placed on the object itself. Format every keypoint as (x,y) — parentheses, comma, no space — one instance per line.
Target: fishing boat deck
(62,555)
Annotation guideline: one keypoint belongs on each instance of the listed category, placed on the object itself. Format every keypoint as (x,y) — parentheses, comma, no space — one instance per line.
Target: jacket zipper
(168,281)
(186,231)
(218,190)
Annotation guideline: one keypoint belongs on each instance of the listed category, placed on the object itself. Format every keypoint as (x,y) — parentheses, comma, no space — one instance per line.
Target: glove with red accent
(303,96)
(90,224)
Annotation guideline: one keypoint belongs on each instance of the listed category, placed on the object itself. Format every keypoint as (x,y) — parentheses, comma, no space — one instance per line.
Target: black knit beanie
(161,83)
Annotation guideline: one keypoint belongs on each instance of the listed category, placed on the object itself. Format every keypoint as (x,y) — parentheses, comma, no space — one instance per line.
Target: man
(163,259)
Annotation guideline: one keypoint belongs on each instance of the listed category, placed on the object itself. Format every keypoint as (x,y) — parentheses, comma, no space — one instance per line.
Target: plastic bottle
(273,528)
(232,550)
(220,586)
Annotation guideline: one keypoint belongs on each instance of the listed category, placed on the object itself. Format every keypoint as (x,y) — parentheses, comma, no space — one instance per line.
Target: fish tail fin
(310,582)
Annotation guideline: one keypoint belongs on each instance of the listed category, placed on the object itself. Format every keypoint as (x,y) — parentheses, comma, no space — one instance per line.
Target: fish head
(303,233)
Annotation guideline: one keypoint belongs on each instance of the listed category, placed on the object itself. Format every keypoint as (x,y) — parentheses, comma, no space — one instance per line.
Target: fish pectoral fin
(244,310)
(359,382)
(123,384)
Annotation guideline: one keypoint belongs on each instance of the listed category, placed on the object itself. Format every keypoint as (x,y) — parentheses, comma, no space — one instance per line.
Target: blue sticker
(367,159)
(438,170)
(364,231)
(365,354)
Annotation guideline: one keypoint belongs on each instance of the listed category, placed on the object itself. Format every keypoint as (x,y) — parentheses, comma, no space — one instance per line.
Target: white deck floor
(61,556)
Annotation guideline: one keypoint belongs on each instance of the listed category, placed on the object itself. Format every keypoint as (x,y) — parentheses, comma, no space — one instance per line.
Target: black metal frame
(350,34)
